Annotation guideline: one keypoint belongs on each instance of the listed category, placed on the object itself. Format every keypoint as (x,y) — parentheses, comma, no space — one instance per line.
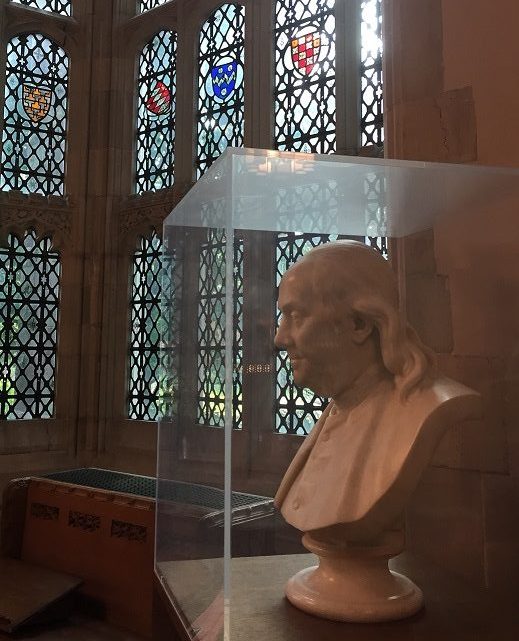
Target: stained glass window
(304,94)
(372,118)
(64,7)
(29,308)
(155,135)
(220,113)
(145,376)
(35,108)
(146,5)
(211,331)
(297,409)
(305,121)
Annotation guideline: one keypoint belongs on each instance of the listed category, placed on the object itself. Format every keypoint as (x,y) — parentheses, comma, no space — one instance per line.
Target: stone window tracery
(35,116)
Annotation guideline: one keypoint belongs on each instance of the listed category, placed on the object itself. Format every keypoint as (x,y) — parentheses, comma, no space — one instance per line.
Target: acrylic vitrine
(233,417)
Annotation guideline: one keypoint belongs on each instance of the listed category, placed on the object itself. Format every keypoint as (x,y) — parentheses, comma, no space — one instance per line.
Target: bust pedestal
(354,583)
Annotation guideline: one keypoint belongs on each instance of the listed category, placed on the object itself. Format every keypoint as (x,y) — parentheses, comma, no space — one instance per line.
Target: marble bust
(349,482)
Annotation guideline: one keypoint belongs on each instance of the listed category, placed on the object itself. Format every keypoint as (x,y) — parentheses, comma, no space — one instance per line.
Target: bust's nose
(282,337)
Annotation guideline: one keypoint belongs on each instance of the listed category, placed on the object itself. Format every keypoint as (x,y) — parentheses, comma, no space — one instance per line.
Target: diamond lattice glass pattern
(220,113)
(376,214)
(155,127)
(296,409)
(29,308)
(146,5)
(146,383)
(211,331)
(304,95)
(372,108)
(35,124)
(63,7)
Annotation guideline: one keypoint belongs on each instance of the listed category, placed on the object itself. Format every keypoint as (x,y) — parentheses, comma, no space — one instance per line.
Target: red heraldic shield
(305,52)
(159,101)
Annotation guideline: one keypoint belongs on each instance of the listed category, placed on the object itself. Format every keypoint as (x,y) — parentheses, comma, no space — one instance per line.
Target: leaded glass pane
(304,94)
(29,309)
(63,7)
(155,127)
(35,109)
(372,109)
(220,113)
(376,214)
(297,409)
(146,383)
(146,5)
(211,331)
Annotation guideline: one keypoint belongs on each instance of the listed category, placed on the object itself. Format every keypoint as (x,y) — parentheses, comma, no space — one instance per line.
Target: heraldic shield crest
(36,101)
(223,77)
(305,52)
(159,100)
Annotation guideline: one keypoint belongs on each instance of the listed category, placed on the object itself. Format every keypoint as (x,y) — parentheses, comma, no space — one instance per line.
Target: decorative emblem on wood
(87,522)
(130,531)
(45,512)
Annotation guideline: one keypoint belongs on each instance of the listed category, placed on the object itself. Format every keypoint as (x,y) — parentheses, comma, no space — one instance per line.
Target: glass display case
(233,416)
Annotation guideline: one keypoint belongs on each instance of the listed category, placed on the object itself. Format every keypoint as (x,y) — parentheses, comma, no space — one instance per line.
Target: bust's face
(317,337)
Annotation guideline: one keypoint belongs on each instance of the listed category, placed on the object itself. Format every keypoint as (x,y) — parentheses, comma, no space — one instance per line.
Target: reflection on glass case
(233,415)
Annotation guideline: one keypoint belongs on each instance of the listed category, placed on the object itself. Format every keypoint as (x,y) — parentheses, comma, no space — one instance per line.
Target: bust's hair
(350,274)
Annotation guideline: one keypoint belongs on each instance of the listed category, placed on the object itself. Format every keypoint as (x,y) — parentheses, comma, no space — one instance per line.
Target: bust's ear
(362,327)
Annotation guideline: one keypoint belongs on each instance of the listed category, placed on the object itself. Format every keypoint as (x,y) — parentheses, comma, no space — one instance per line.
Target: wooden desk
(454,610)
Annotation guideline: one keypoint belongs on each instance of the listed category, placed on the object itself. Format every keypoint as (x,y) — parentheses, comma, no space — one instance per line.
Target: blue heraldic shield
(223,77)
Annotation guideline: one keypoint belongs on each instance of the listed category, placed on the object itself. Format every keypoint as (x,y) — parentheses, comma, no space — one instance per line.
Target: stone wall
(451,97)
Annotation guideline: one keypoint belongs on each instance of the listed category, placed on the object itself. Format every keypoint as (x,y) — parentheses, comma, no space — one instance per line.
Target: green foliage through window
(147,385)
(29,308)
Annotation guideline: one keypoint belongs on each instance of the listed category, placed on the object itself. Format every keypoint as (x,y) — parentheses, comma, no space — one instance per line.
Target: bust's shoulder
(442,396)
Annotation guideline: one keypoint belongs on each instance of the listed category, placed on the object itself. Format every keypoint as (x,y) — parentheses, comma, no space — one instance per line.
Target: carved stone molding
(140,214)
(22,18)
(48,216)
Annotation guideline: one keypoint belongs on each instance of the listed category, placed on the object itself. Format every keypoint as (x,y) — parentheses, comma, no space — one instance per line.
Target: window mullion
(348,19)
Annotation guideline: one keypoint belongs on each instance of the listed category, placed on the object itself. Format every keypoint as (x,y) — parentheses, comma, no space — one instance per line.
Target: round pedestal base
(355,586)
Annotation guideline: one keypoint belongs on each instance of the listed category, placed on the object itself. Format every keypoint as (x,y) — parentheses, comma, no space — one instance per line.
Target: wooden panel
(105,538)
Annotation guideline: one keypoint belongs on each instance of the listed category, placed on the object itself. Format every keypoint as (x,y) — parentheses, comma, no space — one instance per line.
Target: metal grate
(304,95)
(220,113)
(372,108)
(188,493)
(29,308)
(155,127)
(63,7)
(35,123)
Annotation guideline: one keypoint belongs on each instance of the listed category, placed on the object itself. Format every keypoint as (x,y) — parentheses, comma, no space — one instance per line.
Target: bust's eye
(295,316)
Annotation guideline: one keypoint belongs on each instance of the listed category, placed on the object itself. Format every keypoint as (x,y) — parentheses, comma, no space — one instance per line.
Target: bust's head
(340,319)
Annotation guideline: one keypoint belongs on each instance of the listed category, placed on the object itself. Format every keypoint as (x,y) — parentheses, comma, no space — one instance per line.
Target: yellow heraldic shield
(36,101)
